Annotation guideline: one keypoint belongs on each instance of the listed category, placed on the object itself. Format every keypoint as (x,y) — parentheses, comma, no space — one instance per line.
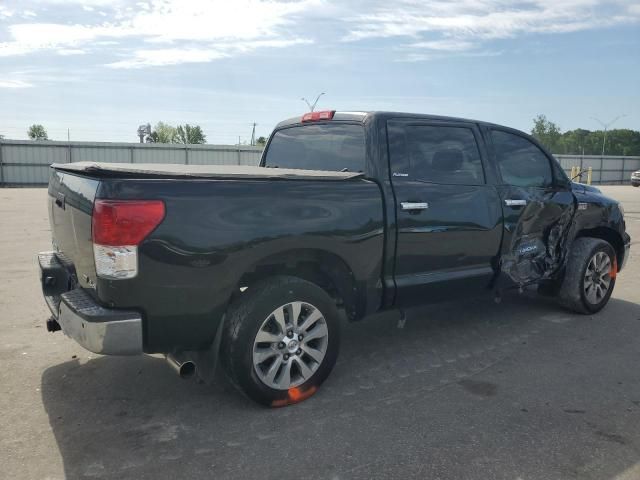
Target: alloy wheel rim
(597,278)
(290,345)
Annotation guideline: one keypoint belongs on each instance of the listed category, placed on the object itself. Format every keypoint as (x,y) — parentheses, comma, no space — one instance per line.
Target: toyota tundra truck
(347,214)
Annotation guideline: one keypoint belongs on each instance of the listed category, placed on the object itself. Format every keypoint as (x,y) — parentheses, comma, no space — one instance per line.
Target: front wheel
(590,275)
(281,340)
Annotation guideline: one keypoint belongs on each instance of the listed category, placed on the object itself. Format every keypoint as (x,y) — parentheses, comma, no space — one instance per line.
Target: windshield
(328,146)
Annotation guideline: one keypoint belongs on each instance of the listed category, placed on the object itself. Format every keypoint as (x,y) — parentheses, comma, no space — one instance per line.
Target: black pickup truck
(348,214)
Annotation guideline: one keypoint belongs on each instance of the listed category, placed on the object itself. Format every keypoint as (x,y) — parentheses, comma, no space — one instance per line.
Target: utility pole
(253,134)
(312,106)
(606,127)
(68,135)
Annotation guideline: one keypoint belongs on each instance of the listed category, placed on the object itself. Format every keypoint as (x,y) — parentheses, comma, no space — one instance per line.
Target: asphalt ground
(466,390)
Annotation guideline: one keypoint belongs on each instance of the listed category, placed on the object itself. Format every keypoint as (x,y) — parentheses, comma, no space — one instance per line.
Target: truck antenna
(312,106)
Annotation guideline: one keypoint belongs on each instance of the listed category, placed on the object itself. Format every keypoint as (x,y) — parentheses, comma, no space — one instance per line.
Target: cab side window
(435,154)
(521,162)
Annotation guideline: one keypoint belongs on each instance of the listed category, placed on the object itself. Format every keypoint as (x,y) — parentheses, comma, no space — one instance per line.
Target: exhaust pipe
(183,365)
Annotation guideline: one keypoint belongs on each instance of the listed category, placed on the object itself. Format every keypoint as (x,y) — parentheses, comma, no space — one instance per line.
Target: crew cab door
(538,208)
(449,219)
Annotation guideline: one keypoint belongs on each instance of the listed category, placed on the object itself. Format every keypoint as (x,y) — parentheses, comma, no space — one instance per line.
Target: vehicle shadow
(410,402)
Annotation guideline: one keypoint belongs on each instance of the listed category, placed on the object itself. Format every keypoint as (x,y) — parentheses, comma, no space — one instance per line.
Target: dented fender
(599,216)
(535,235)
(538,236)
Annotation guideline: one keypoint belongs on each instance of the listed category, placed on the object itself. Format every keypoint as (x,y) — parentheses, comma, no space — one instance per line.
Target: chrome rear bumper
(100,330)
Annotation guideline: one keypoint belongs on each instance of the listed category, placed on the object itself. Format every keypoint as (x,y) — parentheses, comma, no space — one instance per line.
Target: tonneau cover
(164,170)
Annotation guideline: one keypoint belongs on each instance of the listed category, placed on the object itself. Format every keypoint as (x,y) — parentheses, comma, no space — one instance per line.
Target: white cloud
(8,83)
(441,25)
(238,26)
(168,56)
(174,56)
(152,32)
(447,44)
(70,51)
(421,57)
(9,49)
(5,12)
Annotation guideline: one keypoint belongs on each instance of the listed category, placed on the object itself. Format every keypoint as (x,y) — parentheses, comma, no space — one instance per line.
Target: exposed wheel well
(323,268)
(608,235)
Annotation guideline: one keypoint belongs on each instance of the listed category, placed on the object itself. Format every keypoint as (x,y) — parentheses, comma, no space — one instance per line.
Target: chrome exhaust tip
(184,366)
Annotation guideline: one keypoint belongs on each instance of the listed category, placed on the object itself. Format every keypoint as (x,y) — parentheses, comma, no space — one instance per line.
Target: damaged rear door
(538,207)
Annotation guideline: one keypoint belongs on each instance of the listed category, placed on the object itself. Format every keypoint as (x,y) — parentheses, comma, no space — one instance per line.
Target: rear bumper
(100,330)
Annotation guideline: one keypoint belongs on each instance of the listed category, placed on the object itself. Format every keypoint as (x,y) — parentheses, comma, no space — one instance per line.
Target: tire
(579,292)
(268,308)
(635,184)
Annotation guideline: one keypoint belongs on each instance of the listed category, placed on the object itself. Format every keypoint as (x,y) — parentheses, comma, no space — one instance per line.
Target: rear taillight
(118,227)
(317,116)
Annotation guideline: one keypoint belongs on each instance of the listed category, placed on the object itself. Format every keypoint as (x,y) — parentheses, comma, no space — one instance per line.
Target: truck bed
(158,170)
(221,223)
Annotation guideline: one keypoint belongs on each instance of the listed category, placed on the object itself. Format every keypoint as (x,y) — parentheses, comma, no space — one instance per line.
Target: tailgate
(70,207)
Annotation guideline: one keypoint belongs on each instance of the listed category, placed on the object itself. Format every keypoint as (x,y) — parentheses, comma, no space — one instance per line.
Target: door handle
(515,202)
(414,205)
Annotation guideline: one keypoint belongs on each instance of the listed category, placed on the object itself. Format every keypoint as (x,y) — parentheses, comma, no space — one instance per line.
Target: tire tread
(570,295)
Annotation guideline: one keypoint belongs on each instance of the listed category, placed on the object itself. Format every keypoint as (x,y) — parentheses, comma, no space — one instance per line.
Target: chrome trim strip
(414,205)
(118,337)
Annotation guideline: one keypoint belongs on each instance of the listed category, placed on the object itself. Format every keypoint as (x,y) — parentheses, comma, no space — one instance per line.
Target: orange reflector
(614,269)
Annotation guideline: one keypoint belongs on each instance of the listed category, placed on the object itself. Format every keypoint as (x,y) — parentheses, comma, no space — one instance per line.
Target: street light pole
(312,106)
(606,127)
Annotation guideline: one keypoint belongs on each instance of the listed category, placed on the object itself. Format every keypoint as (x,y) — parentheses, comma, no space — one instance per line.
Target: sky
(97,69)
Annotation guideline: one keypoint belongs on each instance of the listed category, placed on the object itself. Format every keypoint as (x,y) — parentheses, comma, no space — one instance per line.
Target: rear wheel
(281,340)
(590,275)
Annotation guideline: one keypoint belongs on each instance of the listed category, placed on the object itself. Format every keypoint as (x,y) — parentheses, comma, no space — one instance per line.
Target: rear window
(329,146)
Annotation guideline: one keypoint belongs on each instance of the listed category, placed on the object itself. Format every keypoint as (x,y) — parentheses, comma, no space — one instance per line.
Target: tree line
(161,133)
(572,142)
(165,133)
(185,134)
(620,141)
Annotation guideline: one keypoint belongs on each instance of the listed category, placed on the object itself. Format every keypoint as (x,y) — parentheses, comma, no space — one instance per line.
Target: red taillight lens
(125,222)
(317,116)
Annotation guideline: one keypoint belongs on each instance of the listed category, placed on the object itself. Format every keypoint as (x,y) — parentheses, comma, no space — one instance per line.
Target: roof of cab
(362,116)
(353,116)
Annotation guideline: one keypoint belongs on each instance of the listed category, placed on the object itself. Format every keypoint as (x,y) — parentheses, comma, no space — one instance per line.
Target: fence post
(186,154)
(69,157)
(131,155)
(1,165)
(589,173)
(623,165)
(238,151)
